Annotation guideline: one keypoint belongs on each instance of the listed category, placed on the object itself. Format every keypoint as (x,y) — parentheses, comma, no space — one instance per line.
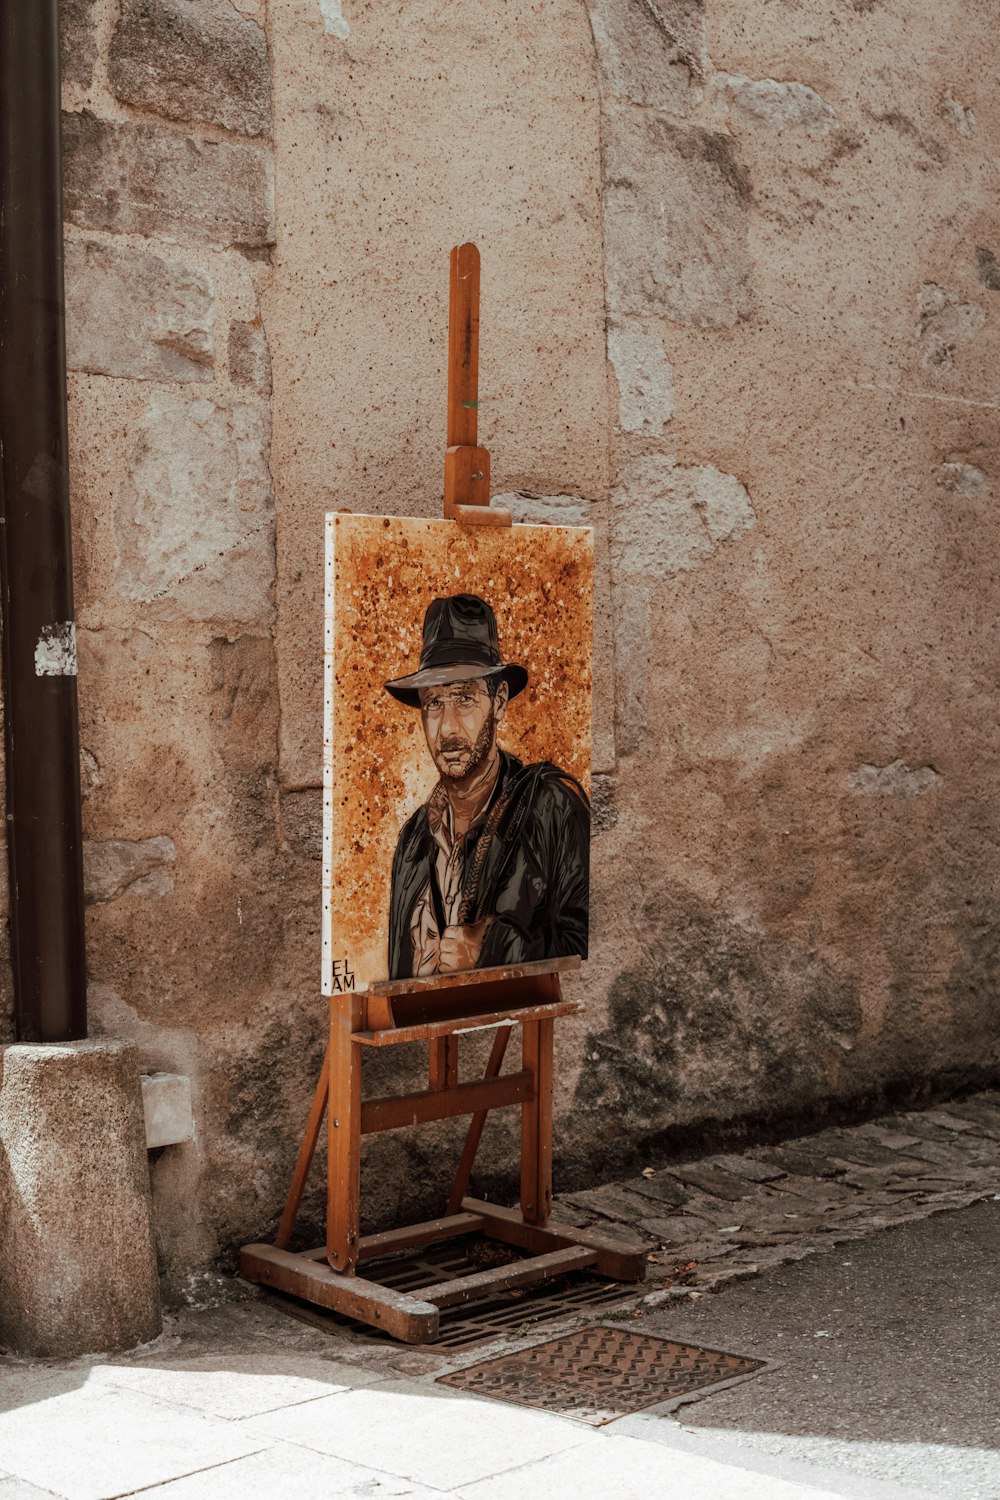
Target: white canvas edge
(328,690)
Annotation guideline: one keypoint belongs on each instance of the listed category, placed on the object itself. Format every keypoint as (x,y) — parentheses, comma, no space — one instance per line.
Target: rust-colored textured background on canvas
(539,580)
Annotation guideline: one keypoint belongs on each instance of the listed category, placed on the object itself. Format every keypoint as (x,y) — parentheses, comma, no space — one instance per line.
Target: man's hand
(461,946)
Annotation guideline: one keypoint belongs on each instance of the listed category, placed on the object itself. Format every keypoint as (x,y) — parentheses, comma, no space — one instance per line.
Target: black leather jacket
(535,879)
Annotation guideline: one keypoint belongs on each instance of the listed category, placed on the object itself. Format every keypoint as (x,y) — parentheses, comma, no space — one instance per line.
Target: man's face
(460,723)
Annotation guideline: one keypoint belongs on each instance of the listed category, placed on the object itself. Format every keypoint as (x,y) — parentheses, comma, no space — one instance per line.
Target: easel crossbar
(409,1237)
(429,1031)
(615,1258)
(523,1273)
(442,1104)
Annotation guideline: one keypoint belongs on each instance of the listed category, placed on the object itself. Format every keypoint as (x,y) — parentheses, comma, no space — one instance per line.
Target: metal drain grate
(507,1314)
(600,1373)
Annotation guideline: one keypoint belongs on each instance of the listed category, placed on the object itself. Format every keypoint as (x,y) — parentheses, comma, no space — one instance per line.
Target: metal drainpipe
(45,842)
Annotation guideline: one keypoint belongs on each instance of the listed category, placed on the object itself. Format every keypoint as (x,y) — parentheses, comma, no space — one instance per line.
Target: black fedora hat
(460,642)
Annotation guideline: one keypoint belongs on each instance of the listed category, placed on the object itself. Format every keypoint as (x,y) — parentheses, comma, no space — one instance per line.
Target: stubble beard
(479,753)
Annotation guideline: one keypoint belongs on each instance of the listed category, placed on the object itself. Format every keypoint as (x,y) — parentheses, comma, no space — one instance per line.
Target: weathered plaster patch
(249,356)
(90,772)
(963,479)
(633,651)
(957,115)
(545,510)
(166,1107)
(645,379)
(603,808)
(113,866)
(302,822)
(768,102)
(945,323)
(55,653)
(334,23)
(893,780)
(667,518)
(987,270)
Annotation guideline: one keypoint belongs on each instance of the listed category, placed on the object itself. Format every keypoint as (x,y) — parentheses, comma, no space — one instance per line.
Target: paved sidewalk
(241,1400)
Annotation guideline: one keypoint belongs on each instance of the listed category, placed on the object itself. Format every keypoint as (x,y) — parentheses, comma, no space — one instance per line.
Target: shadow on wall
(709,1014)
(715,1013)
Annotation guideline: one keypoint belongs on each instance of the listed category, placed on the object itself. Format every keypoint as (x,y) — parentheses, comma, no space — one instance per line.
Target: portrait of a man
(493,869)
(457,747)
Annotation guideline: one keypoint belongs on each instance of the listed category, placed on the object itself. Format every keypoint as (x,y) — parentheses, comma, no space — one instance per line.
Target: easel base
(413,1317)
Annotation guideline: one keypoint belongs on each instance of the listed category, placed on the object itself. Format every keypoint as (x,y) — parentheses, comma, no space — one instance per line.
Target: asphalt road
(887,1377)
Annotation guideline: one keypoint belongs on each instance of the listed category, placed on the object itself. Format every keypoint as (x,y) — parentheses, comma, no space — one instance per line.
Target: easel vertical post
(463,348)
(536,1123)
(343,1161)
(466,465)
(444,1062)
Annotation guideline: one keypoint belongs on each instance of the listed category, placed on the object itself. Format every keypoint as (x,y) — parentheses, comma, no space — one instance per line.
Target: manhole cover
(600,1373)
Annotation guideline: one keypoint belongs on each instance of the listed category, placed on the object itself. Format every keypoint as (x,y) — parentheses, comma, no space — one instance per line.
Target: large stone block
(651,51)
(77,40)
(135,179)
(78,1272)
(192,60)
(677,207)
(194,516)
(134,314)
(667,518)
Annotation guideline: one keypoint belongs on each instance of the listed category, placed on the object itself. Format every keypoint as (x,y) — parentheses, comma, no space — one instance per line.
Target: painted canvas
(456,747)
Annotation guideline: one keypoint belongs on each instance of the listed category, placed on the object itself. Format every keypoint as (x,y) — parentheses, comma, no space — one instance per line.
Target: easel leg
(476,1125)
(343,1202)
(306,1152)
(536,1124)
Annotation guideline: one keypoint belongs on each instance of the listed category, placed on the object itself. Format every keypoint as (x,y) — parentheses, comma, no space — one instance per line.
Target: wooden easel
(438,1011)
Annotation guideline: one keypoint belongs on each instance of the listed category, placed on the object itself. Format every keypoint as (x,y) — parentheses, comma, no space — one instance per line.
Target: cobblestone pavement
(719,1218)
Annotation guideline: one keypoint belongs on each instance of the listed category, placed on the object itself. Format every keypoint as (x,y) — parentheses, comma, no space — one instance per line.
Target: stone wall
(739,276)
(797,895)
(169,201)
